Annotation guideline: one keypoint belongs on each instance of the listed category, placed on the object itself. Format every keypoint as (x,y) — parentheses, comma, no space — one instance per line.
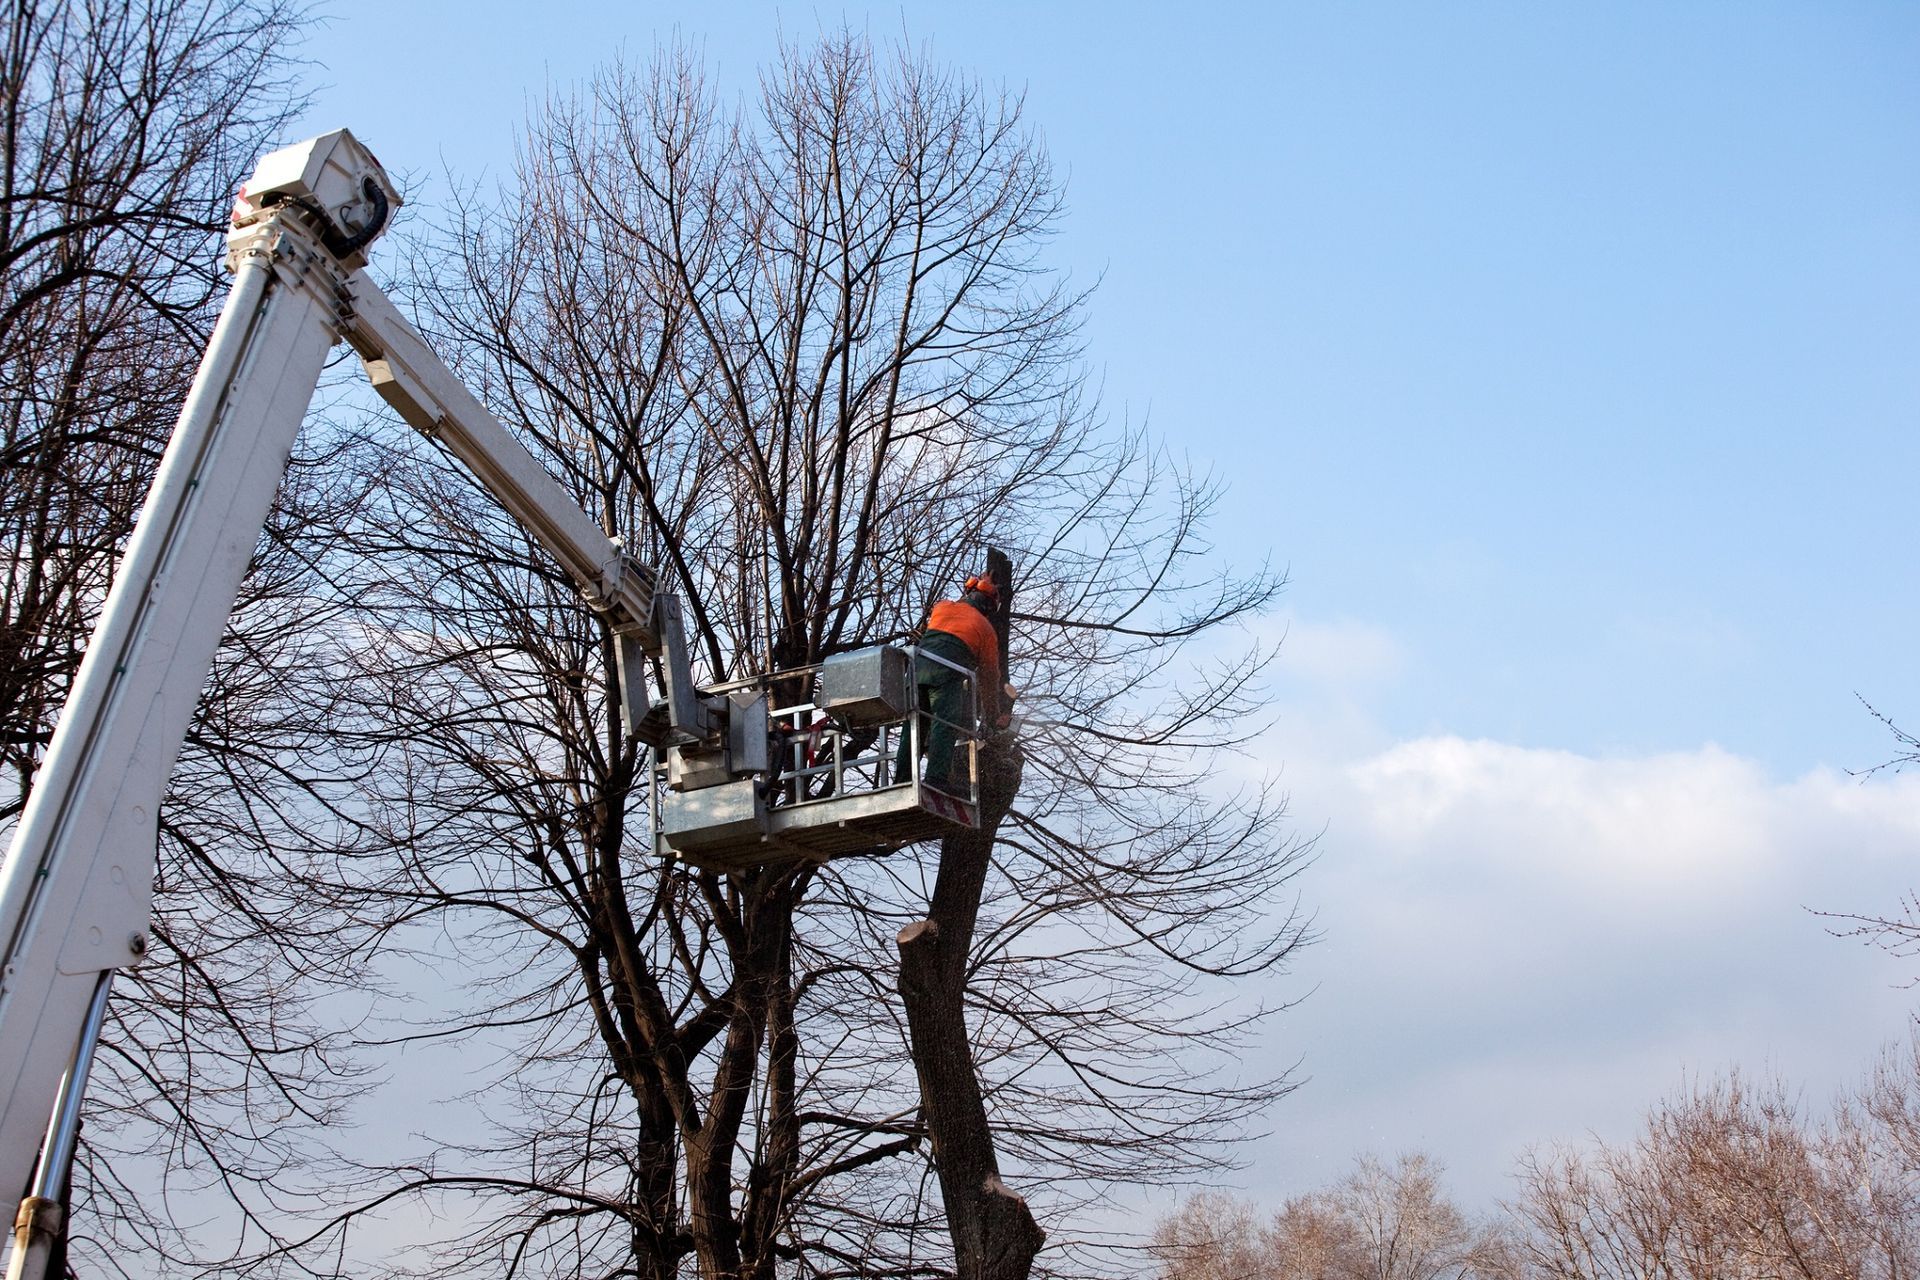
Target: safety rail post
(796,779)
(973,739)
(916,769)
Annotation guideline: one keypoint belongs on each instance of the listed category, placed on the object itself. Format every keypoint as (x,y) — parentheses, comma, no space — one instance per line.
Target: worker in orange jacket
(961,632)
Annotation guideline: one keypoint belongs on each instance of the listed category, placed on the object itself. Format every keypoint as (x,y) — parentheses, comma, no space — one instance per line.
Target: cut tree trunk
(994,1234)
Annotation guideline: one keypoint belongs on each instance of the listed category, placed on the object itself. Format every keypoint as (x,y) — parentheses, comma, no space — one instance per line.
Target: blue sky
(1574,347)
(1566,355)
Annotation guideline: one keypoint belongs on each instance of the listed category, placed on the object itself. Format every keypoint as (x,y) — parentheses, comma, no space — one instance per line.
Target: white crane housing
(797,764)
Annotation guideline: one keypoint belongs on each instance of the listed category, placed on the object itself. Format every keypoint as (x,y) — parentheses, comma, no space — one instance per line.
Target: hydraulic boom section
(746,773)
(77,882)
(75,888)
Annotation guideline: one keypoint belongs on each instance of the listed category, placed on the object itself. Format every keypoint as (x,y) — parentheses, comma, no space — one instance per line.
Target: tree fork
(994,1234)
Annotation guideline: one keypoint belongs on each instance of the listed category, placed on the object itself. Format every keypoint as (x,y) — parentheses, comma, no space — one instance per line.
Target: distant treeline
(1730,1180)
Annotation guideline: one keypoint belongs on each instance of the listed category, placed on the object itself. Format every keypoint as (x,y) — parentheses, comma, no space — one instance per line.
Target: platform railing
(821,760)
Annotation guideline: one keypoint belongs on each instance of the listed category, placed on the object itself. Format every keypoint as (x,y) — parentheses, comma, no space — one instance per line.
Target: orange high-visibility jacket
(970,625)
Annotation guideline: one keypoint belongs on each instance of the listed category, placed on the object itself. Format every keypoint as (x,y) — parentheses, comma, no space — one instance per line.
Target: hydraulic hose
(340,244)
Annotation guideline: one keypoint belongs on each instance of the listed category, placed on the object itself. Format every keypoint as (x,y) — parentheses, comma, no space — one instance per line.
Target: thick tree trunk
(762,951)
(716,1236)
(772,1170)
(994,1234)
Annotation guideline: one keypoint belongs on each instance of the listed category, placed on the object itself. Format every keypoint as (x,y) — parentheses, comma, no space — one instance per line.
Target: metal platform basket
(837,785)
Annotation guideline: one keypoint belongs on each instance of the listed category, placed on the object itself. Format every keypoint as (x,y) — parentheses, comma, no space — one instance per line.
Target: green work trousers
(945,707)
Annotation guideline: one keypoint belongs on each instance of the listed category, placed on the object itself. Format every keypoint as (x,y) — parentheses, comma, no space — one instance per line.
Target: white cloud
(1677,825)
(1529,944)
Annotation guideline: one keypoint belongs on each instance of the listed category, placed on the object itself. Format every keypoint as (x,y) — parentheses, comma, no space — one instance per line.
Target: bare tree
(125,129)
(1215,1236)
(810,363)
(1736,1181)
(1897,933)
(1379,1222)
(1908,746)
(1406,1228)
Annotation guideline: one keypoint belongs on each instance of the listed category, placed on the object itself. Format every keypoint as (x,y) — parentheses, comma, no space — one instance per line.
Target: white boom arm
(77,883)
